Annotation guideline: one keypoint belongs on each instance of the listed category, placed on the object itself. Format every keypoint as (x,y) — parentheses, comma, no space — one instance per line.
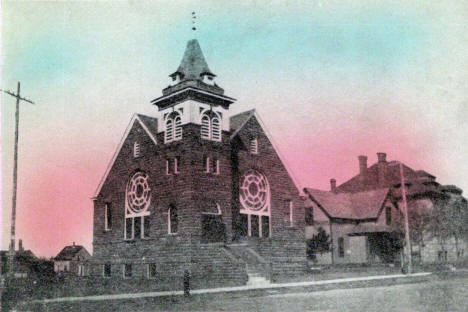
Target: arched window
(254,197)
(169,135)
(177,128)
(211,126)
(205,127)
(172,220)
(215,129)
(137,202)
(173,128)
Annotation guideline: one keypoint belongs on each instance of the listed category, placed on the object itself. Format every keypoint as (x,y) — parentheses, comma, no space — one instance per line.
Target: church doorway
(212,226)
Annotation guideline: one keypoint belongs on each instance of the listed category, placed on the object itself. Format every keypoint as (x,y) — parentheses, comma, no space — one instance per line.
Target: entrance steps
(255,264)
(255,279)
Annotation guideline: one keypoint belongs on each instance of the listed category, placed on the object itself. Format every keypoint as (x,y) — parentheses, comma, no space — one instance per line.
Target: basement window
(127,270)
(106,270)
(152,272)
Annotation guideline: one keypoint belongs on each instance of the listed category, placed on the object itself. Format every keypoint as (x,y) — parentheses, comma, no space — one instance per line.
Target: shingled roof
(151,123)
(193,64)
(239,120)
(356,206)
(69,252)
(370,179)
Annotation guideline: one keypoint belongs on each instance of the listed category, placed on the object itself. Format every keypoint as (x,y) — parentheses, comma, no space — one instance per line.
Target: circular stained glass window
(138,192)
(254,191)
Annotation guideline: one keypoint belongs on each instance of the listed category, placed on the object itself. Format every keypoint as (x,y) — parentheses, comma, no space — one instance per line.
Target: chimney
(382,157)
(20,245)
(362,167)
(333,185)
(73,243)
(382,167)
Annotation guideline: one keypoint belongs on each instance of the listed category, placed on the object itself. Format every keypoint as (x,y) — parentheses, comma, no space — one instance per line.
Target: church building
(195,190)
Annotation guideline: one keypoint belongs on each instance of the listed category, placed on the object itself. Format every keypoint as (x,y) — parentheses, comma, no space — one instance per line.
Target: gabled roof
(69,252)
(149,124)
(370,180)
(356,206)
(193,64)
(19,253)
(240,120)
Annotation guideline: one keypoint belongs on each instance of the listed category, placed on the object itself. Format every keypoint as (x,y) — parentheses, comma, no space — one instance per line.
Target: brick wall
(285,250)
(189,191)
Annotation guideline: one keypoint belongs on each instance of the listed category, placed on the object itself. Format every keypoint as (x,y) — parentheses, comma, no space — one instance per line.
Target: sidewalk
(235,289)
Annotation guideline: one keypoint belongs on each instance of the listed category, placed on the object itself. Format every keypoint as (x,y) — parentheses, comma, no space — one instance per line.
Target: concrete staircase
(255,264)
(256,279)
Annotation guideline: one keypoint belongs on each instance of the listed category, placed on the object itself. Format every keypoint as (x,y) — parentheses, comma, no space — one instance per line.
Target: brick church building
(194,189)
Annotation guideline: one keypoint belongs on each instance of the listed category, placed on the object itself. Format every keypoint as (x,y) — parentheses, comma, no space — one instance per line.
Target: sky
(330,79)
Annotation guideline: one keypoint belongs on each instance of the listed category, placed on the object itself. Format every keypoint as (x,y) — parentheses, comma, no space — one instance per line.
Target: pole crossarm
(17,96)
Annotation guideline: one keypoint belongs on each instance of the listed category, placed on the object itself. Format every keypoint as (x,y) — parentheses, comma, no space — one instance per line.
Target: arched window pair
(211,126)
(173,128)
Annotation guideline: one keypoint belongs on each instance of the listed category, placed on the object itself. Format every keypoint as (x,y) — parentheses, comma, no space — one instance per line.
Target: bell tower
(193,94)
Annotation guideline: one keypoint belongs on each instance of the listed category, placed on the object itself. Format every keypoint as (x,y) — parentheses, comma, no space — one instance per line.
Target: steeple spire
(193,79)
(193,65)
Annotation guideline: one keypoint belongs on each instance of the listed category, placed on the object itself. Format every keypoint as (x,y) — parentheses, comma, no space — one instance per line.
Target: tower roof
(193,64)
(194,80)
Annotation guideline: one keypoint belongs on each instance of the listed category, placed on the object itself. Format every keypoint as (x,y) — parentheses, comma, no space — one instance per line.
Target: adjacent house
(423,194)
(25,261)
(364,227)
(70,259)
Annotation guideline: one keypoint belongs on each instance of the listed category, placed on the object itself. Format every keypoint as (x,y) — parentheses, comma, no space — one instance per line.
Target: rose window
(138,192)
(254,191)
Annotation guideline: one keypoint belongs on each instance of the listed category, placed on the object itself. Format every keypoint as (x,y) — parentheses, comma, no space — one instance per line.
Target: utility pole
(407,234)
(18,97)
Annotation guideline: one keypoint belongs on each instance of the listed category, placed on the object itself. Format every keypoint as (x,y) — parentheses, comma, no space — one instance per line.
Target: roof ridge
(244,112)
(143,115)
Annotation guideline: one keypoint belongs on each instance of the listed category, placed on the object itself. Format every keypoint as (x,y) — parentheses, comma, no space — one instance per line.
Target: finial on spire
(194,19)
